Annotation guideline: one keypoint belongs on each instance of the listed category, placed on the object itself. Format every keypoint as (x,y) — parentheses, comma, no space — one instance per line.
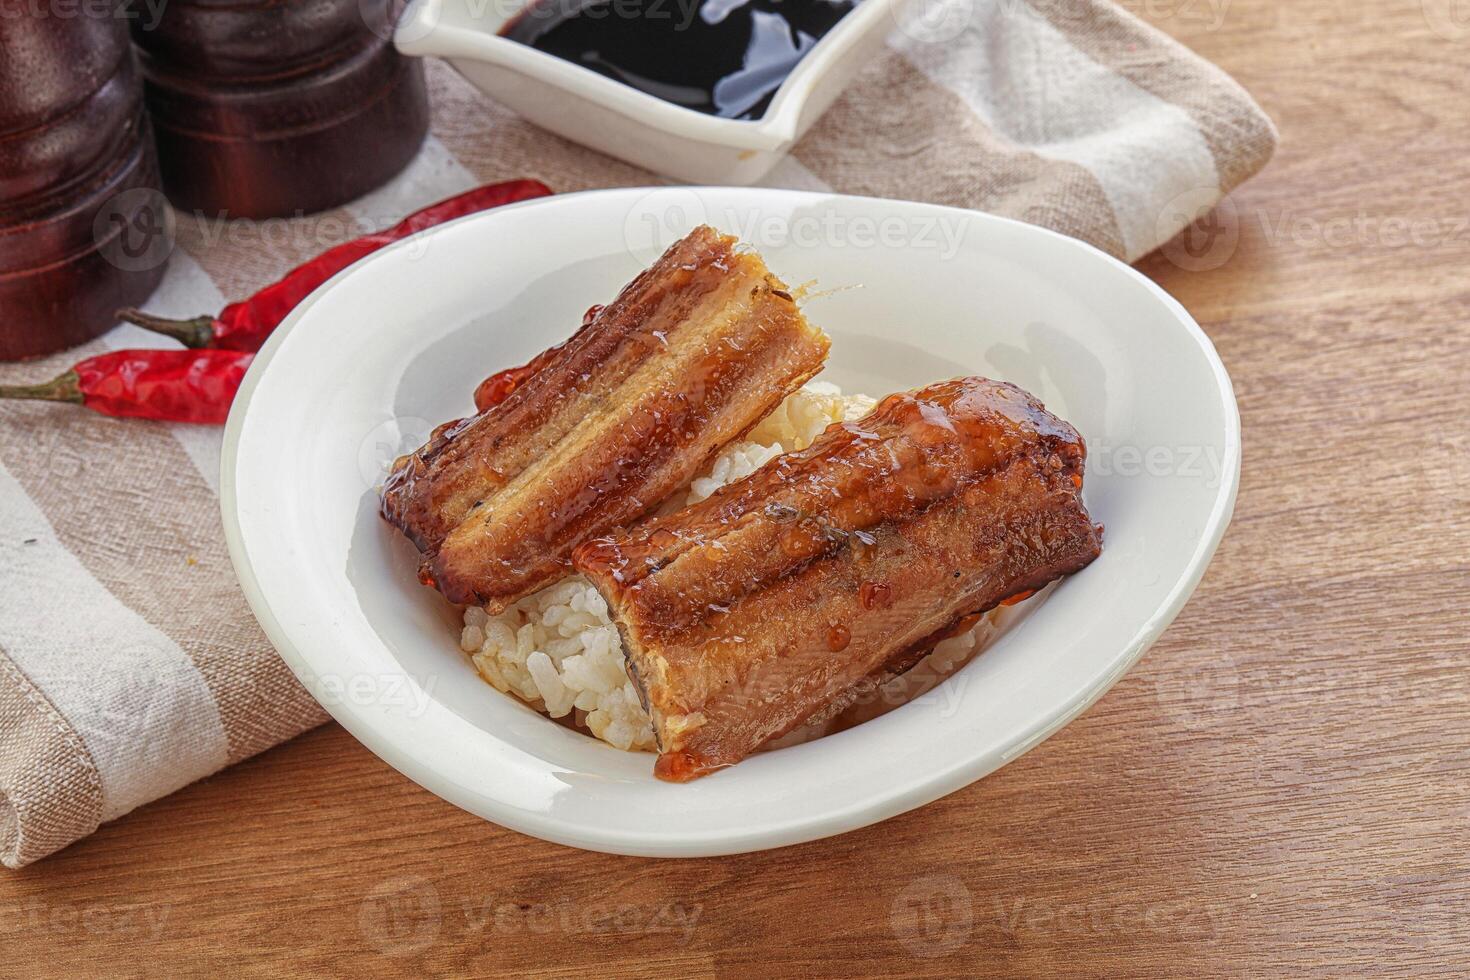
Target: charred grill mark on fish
(689,356)
(762,607)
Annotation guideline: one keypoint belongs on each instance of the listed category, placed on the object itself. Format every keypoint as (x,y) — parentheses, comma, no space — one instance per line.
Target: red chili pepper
(497,388)
(167,385)
(244,326)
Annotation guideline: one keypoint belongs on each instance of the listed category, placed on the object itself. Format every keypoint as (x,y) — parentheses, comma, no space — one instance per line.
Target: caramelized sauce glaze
(770,602)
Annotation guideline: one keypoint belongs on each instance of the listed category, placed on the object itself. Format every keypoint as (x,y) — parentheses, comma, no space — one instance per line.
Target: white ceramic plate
(919,293)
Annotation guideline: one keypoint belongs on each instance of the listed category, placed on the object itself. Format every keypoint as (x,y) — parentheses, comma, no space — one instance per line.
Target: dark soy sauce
(722,57)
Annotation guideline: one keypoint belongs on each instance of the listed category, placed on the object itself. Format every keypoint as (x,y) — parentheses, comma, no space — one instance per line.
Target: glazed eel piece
(689,356)
(763,606)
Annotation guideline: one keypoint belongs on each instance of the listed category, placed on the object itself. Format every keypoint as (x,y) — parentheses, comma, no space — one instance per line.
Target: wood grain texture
(1282,787)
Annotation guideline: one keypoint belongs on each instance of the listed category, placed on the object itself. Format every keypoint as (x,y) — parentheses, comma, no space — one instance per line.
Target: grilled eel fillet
(763,606)
(689,356)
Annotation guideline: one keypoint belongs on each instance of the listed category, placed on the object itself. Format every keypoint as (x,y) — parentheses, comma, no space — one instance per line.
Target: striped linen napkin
(130,664)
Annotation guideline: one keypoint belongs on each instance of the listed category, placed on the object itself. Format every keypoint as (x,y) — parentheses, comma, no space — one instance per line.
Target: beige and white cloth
(130,664)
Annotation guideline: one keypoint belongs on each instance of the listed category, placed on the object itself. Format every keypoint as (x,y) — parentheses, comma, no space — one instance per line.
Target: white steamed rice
(559,651)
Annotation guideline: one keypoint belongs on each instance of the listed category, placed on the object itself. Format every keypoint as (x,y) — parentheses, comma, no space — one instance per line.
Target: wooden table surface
(1281,786)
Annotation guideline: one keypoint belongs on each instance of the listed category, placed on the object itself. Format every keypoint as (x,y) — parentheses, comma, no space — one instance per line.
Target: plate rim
(358,718)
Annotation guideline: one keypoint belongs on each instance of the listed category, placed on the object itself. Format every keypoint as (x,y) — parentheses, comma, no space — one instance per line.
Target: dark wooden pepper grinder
(83,227)
(267,108)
